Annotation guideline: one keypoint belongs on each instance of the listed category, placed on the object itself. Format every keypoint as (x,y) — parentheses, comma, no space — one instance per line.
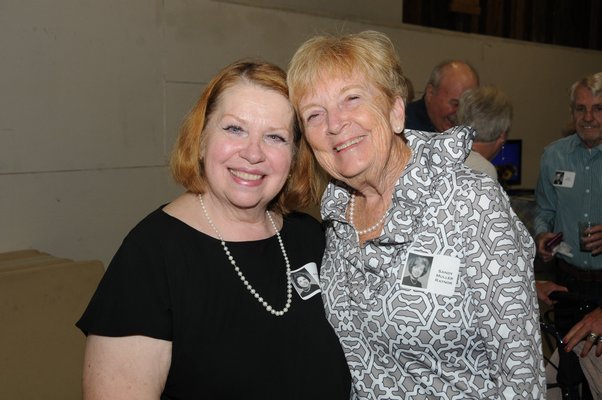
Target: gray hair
(439,69)
(593,82)
(487,110)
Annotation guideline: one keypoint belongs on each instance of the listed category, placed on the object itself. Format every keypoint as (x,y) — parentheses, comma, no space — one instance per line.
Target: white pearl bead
(250,288)
(369,229)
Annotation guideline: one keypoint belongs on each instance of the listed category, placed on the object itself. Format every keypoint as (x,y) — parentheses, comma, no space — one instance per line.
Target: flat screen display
(508,162)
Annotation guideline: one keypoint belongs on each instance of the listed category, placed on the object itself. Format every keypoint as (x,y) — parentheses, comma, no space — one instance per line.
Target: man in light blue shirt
(578,195)
(569,190)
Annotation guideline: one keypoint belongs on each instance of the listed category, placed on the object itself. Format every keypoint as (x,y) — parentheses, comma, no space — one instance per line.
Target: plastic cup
(583,226)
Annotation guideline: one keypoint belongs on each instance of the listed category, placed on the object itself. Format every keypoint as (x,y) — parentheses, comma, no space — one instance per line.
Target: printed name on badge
(433,272)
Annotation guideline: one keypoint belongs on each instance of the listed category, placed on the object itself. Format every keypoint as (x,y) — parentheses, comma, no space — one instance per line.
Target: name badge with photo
(564,179)
(306,280)
(435,273)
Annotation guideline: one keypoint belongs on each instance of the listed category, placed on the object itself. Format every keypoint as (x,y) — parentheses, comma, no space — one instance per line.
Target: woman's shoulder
(469,185)
(155,240)
(156,226)
(152,219)
(445,148)
(437,155)
(467,177)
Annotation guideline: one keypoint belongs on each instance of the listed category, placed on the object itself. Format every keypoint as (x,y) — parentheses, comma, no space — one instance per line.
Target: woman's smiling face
(418,268)
(302,281)
(348,123)
(249,148)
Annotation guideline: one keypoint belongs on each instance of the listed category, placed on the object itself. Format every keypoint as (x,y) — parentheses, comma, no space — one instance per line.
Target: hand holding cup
(590,237)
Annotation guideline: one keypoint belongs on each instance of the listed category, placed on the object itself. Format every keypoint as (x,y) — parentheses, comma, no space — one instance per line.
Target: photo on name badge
(417,270)
(305,281)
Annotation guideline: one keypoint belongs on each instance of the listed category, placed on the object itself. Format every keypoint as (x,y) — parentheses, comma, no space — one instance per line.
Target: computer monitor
(508,162)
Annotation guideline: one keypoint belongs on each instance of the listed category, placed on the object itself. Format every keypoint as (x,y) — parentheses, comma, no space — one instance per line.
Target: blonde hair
(370,53)
(187,164)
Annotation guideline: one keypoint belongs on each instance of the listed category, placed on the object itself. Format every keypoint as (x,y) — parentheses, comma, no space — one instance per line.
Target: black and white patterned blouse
(471,331)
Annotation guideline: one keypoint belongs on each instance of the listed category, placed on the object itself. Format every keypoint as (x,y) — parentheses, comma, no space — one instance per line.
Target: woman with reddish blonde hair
(198,302)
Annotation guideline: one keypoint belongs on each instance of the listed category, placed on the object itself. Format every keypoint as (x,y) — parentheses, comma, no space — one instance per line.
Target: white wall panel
(180,97)
(92,94)
(80,84)
(79,214)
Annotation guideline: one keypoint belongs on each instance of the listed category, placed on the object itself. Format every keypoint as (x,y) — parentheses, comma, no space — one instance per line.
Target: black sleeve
(133,296)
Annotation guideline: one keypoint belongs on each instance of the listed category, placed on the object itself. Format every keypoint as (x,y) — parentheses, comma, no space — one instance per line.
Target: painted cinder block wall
(92,93)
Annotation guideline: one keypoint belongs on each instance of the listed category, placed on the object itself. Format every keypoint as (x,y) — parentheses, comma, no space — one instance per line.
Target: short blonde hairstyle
(371,53)
(187,164)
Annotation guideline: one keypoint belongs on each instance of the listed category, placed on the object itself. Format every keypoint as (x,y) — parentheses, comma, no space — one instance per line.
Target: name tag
(564,179)
(434,273)
(306,280)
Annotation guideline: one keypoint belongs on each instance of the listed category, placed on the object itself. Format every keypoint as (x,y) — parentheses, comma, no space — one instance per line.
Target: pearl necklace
(369,229)
(289,285)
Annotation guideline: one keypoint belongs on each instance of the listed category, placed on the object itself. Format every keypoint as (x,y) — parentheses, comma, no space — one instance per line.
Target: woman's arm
(130,367)
(500,255)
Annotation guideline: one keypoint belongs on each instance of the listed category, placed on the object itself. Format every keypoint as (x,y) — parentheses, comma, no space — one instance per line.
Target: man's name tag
(564,179)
